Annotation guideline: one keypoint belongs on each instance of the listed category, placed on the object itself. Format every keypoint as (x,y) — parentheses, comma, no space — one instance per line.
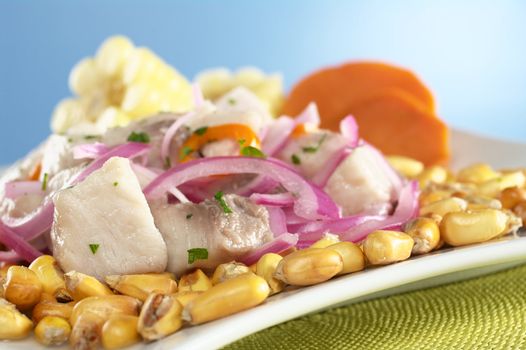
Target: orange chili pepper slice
(239,132)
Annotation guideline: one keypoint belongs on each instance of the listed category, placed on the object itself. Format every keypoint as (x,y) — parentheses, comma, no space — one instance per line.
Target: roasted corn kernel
(429,197)
(309,266)
(352,256)
(185,297)
(51,308)
(512,196)
(477,173)
(105,306)
(473,227)
(406,166)
(51,277)
(492,188)
(160,316)
(425,234)
(266,267)
(327,240)
(52,330)
(82,286)
(229,270)
(120,331)
(386,247)
(196,281)
(444,206)
(140,286)
(22,287)
(223,299)
(482,202)
(14,325)
(85,334)
(520,211)
(434,174)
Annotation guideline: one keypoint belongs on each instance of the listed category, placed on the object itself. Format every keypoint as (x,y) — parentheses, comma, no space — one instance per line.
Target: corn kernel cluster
(119,84)
(269,88)
(475,205)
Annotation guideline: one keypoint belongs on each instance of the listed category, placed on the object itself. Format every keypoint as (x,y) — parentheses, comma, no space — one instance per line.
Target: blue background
(472,53)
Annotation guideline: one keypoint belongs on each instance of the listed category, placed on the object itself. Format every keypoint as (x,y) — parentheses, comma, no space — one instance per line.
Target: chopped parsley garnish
(44,181)
(116,183)
(241,142)
(315,148)
(90,137)
(197,254)
(201,131)
(94,247)
(295,159)
(186,151)
(219,198)
(231,101)
(70,140)
(189,216)
(250,151)
(168,162)
(141,137)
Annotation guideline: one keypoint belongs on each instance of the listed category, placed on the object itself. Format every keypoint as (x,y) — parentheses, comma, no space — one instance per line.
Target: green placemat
(483,313)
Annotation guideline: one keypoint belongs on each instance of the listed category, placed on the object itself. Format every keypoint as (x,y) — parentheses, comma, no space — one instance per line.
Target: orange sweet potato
(334,89)
(397,123)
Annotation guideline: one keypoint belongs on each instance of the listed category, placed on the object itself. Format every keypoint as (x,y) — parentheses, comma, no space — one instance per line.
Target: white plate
(429,270)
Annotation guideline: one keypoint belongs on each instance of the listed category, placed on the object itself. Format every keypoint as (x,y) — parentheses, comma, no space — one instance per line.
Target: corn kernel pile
(119,84)
(475,205)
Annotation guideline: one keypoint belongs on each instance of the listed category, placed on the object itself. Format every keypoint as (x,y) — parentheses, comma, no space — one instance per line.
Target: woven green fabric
(484,313)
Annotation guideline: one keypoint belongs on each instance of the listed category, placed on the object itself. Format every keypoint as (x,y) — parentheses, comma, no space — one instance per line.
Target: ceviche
(158,204)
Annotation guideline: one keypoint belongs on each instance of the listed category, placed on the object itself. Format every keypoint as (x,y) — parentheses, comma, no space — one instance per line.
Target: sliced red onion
(330,166)
(15,189)
(310,201)
(261,184)
(356,227)
(179,195)
(9,256)
(13,241)
(170,133)
(275,200)
(278,133)
(278,245)
(277,220)
(147,173)
(310,115)
(197,94)
(127,150)
(38,222)
(89,150)
(349,129)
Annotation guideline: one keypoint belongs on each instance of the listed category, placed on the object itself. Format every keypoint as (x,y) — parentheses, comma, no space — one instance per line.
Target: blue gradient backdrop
(472,53)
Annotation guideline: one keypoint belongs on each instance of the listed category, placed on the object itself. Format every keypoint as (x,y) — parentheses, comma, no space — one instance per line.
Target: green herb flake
(70,140)
(314,149)
(44,181)
(219,198)
(116,183)
(94,247)
(186,151)
(201,131)
(295,159)
(141,137)
(250,151)
(189,216)
(197,254)
(168,163)
(90,137)
(241,142)
(231,101)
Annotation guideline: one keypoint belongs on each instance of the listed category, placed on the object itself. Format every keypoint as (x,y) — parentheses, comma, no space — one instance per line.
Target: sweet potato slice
(396,123)
(334,89)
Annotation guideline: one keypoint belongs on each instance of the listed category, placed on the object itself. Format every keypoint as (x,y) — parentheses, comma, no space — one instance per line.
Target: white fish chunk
(107,212)
(226,236)
(360,184)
